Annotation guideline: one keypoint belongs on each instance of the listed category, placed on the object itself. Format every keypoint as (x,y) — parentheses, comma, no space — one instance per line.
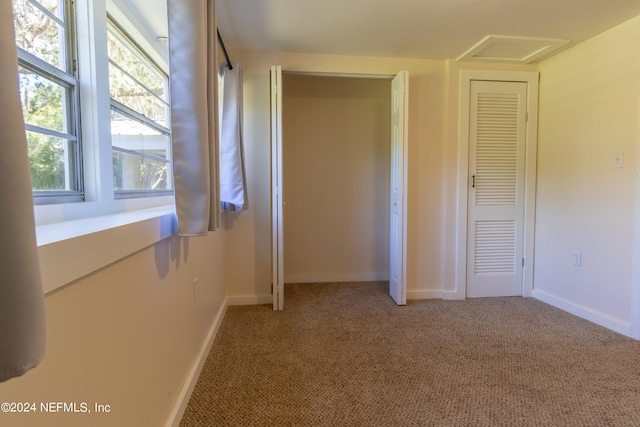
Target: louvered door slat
(495,243)
(497,149)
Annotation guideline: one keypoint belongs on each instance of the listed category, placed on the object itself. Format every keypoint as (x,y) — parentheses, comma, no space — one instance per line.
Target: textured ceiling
(435,29)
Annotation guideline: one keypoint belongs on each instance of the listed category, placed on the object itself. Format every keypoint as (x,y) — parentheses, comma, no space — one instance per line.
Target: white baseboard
(196,369)
(250,299)
(453,295)
(268,299)
(586,313)
(417,295)
(375,276)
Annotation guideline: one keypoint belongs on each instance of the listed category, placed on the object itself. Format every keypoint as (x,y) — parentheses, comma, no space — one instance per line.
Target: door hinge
(526,116)
(523,261)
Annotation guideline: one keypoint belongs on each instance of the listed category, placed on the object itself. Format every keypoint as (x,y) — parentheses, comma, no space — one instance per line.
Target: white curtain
(22,315)
(233,188)
(194,114)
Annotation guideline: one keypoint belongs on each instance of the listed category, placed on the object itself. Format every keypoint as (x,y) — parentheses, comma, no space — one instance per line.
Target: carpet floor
(343,354)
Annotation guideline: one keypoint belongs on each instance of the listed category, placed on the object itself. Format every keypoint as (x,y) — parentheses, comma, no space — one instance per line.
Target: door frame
(277,223)
(531,148)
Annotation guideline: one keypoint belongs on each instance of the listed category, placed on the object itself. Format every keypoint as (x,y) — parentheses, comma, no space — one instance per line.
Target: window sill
(73,249)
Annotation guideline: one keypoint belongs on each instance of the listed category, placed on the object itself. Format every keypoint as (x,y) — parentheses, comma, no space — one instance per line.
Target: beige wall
(588,111)
(589,99)
(432,181)
(126,336)
(250,237)
(336,178)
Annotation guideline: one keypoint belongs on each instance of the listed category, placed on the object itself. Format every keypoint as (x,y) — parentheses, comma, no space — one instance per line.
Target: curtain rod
(224,50)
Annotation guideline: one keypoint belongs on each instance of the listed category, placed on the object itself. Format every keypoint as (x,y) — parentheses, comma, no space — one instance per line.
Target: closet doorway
(334,203)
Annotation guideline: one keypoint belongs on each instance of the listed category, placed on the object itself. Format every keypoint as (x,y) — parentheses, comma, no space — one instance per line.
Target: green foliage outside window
(45,102)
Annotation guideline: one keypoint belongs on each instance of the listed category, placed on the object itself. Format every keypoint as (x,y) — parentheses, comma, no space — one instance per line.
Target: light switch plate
(618,160)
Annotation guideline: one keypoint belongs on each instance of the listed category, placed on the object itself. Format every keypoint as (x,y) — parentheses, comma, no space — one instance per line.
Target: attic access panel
(519,50)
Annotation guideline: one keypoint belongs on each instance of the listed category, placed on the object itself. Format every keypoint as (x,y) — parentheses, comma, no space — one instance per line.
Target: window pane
(44,103)
(141,148)
(143,166)
(54,6)
(125,90)
(132,135)
(132,172)
(38,34)
(49,98)
(49,158)
(135,82)
(135,64)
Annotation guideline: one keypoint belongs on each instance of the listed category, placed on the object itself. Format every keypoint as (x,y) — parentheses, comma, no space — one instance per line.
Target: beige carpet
(346,355)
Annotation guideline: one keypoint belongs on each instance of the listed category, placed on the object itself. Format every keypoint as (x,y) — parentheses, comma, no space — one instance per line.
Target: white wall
(589,110)
(127,336)
(336,178)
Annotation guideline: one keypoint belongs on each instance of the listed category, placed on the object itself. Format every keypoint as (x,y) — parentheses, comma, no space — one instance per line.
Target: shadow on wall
(168,252)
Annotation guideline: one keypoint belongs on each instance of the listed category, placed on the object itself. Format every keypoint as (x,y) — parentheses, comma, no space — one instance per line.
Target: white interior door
(277,214)
(398,197)
(495,228)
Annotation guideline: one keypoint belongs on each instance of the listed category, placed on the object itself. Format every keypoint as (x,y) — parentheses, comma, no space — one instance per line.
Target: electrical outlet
(577,258)
(195,290)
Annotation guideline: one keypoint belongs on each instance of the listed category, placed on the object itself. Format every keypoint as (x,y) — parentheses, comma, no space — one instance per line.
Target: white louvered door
(495,226)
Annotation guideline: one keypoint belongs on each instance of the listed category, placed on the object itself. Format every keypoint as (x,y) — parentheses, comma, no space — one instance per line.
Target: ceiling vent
(518,50)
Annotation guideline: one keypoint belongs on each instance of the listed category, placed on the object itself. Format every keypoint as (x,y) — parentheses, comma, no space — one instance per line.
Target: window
(49,95)
(139,118)
(94,89)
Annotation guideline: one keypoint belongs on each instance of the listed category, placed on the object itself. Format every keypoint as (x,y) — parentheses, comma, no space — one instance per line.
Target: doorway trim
(277,223)
(531,79)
